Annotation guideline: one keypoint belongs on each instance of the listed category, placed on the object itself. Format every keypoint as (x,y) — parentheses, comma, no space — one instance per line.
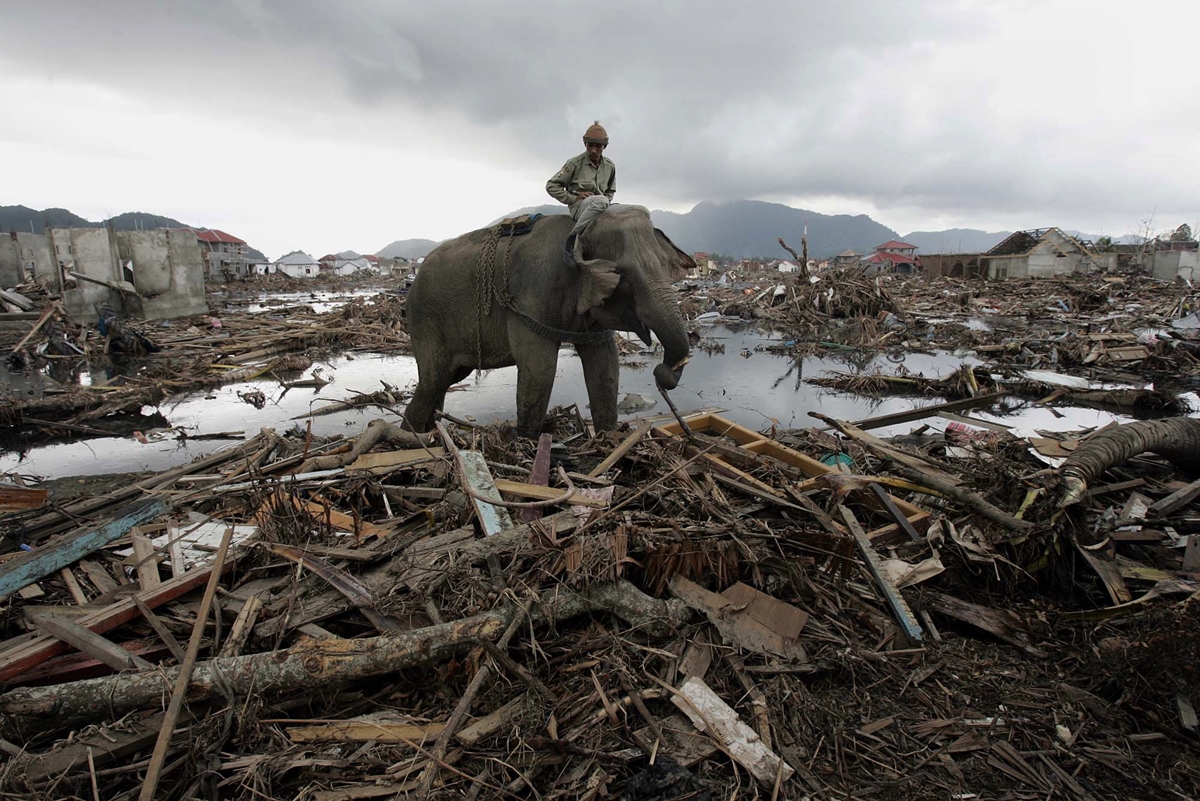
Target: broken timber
(760,445)
(72,547)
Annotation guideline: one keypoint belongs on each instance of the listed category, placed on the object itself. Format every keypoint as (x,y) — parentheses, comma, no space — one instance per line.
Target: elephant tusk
(682,362)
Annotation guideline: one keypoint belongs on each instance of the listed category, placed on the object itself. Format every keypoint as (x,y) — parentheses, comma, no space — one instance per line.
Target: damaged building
(1176,260)
(153,274)
(1044,252)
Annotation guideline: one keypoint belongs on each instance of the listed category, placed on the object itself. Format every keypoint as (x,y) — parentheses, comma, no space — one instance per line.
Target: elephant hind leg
(430,398)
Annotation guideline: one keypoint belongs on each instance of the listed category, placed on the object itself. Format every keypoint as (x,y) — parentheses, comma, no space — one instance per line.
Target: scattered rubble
(669,611)
(652,612)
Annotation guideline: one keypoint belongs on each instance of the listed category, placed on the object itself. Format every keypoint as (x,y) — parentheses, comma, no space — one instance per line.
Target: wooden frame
(756,444)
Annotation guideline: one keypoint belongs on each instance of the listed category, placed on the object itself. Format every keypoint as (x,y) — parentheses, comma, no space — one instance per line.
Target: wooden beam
(73,546)
(90,643)
(34,651)
(621,450)
(147,559)
(1176,500)
(908,621)
(912,415)
(540,493)
(175,707)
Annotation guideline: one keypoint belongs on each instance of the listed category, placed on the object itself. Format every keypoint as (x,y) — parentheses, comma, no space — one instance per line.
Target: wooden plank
(628,444)
(184,677)
(342,521)
(242,626)
(160,629)
(72,546)
(90,643)
(175,544)
(999,428)
(365,731)
(889,505)
(14,498)
(491,722)
(1176,500)
(904,615)
(912,415)
(710,714)
(106,746)
(523,490)
(77,594)
(539,474)
(100,577)
(147,559)
(14,661)
(753,441)
(1109,574)
(391,460)
(31,591)
(476,474)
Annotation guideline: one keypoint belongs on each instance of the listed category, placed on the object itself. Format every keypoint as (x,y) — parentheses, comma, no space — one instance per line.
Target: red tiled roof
(328,257)
(372,259)
(213,235)
(895,245)
(894,258)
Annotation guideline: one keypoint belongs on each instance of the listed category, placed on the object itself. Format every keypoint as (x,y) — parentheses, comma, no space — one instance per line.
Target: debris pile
(185,354)
(671,611)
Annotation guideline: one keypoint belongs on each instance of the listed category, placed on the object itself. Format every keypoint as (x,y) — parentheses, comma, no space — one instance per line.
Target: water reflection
(757,388)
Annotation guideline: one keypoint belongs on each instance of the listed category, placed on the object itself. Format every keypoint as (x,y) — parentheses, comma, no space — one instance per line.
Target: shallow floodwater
(755,388)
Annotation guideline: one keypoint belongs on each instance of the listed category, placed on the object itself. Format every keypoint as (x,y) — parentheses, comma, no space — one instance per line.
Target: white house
(298,264)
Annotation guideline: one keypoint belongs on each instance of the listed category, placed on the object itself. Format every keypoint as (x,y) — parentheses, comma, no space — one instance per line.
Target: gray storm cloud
(942,106)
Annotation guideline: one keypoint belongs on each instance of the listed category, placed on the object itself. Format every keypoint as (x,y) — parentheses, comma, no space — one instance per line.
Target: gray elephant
(487,301)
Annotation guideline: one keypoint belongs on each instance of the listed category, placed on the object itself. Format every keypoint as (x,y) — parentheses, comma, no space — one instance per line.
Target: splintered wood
(650,615)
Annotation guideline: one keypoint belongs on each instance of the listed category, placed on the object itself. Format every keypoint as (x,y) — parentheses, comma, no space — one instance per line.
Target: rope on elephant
(491,288)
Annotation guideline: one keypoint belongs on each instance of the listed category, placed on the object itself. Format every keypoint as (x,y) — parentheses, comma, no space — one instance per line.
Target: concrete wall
(62,247)
(38,258)
(185,293)
(145,260)
(95,255)
(1172,264)
(10,262)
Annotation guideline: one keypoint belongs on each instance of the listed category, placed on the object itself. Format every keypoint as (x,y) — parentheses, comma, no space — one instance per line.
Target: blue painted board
(69,548)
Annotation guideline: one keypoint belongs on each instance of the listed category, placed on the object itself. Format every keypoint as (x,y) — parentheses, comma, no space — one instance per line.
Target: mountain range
(737,229)
(23,218)
(749,228)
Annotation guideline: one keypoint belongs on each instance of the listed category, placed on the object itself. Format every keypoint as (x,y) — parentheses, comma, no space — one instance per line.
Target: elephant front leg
(537,361)
(600,374)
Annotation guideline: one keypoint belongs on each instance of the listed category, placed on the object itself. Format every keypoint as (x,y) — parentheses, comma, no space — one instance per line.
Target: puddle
(321,302)
(756,388)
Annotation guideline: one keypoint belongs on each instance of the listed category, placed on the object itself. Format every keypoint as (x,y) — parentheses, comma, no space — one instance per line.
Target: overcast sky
(323,126)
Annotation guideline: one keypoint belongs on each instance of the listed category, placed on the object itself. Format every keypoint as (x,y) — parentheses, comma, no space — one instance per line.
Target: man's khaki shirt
(579,174)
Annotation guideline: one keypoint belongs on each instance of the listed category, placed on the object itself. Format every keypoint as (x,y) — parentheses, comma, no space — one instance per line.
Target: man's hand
(582,193)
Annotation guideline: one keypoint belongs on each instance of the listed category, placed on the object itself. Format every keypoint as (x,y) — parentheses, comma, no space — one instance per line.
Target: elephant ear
(598,278)
(681,263)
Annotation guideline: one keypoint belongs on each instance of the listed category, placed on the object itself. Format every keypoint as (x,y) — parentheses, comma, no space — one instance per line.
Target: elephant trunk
(659,310)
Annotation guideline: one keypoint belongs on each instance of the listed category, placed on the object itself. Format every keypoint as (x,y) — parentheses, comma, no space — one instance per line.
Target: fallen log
(314,663)
(376,431)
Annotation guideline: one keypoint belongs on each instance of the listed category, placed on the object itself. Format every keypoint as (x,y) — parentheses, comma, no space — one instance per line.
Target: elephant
(486,301)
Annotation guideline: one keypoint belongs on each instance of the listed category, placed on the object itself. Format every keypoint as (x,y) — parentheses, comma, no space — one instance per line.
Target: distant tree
(1182,234)
(1104,244)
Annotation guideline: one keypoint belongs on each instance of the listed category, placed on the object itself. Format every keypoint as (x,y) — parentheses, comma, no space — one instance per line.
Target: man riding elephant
(586,184)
